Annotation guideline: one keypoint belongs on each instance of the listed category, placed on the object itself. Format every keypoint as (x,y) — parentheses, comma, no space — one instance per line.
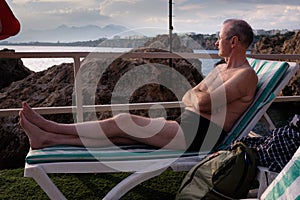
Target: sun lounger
(144,162)
(286,185)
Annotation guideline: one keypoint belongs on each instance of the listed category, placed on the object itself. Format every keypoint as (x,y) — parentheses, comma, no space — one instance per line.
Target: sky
(199,16)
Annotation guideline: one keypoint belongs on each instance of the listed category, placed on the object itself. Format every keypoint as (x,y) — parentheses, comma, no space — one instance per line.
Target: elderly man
(216,102)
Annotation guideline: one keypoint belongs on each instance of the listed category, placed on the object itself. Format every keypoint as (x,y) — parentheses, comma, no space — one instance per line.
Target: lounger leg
(41,177)
(269,121)
(130,182)
(265,177)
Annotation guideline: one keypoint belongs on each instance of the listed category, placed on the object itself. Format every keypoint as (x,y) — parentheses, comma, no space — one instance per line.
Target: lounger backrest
(269,73)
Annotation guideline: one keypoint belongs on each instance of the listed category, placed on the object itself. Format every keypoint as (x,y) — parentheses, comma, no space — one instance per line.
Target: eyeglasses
(228,38)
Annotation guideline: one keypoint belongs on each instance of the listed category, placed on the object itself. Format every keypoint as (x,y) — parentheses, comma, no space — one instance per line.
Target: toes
(22,119)
(24,104)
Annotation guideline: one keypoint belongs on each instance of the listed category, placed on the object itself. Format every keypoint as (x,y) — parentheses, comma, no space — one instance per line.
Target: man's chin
(220,54)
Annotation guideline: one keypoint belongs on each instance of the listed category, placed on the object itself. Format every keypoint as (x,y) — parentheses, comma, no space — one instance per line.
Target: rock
(162,42)
(286,44)
(13,144)
(293,87)
(47,88)
(271,44)
(11,70)
(292,46)
(165,84)
(181,43)
(54,87)
(206,41)
(282,44)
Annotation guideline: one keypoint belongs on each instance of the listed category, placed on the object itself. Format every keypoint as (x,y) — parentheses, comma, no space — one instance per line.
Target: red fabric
(9,24)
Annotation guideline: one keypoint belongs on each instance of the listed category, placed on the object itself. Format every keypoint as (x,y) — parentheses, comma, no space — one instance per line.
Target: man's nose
(217,43)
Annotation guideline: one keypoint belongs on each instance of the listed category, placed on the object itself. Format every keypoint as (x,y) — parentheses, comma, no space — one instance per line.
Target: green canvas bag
(226,174)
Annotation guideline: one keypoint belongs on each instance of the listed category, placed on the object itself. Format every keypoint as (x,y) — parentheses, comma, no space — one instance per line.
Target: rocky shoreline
(54,87)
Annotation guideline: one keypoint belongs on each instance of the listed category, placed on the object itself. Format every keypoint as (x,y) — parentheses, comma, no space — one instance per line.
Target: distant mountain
(66,33)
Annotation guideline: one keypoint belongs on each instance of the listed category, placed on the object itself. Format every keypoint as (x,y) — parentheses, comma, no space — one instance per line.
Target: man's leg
(121,129)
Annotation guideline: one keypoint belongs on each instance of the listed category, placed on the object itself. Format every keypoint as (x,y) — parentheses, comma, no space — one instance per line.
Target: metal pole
(170,31)
(170,23)
(170,40)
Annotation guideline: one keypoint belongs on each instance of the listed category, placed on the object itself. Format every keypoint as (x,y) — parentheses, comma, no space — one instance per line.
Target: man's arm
(240,85)
(197,99)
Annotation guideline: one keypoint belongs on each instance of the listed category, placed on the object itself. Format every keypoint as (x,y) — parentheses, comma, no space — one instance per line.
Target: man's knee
(122,117)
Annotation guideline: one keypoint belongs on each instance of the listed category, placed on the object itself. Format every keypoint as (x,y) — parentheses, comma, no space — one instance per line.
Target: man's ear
(234,40)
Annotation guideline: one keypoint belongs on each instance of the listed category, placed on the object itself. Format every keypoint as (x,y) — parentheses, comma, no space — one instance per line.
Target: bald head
(241,29)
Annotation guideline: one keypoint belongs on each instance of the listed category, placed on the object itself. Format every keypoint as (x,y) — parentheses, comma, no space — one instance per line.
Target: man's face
(224,43)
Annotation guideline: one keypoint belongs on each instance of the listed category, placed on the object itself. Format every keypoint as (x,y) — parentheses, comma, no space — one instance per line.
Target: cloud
(204,16)
(136,13)
(277,16)
(257,2)
(190,7)
(207,16)
(45,14)
(111,7)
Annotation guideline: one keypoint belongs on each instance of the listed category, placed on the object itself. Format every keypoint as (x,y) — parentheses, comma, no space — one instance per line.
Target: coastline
(40,64)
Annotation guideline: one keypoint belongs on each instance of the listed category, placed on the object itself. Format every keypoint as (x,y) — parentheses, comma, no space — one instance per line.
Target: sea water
(40,64)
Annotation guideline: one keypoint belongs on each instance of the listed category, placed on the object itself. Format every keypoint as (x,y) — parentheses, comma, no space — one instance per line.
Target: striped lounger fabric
(287,184)
(74,154)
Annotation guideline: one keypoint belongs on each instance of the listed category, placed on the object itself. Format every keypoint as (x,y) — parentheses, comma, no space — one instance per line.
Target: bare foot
(36,119)
(37,137)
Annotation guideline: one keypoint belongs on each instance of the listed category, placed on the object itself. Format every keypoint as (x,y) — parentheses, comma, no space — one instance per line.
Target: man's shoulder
(247,70)
(249,76)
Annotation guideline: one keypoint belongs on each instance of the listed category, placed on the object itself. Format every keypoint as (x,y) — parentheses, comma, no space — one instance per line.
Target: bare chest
(215,79)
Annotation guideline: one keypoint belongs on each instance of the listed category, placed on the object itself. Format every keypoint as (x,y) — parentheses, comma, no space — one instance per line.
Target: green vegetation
(88,186)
